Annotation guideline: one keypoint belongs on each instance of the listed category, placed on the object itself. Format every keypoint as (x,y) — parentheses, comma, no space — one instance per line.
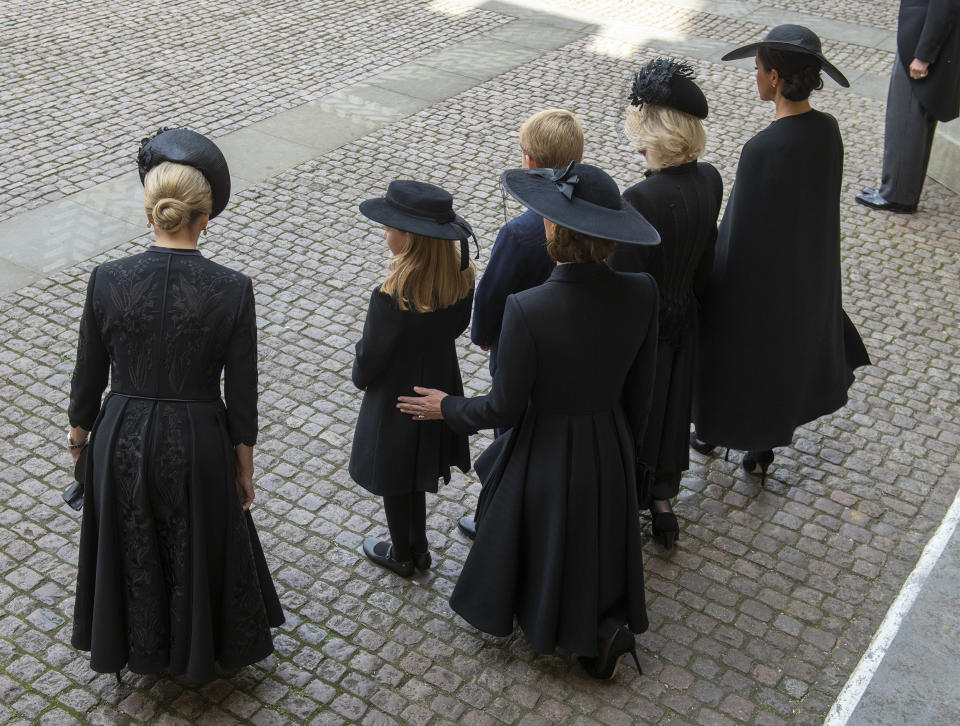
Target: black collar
(171,250)
(579,271)
(678,169)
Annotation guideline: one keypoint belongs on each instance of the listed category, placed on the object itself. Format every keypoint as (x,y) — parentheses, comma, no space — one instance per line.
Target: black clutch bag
(74,493)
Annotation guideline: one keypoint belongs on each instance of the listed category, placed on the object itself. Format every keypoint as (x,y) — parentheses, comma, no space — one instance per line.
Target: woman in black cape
(559,546)
(171,573)
(681,198)
(776,348)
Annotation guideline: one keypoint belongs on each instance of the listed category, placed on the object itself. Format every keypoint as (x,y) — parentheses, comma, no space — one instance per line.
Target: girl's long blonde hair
(426,276)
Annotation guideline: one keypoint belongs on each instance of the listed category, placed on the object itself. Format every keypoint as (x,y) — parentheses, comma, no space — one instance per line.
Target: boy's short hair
(552,138)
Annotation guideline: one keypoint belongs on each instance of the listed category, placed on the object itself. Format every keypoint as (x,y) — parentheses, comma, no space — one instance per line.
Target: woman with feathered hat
(171,575)
(681,198)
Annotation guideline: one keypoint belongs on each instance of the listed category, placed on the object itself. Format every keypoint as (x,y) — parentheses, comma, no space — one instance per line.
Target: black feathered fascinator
(183,146)
(666,82)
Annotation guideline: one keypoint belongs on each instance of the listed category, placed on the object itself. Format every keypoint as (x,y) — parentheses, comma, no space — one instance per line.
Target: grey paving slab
(13,277)
(917,681)
(121,197)
(534,32)
(60,234)
(945,155)
(547,12)
(422,81)
(871,85)
(256,155)
(366,102)
(313,126)
(481,58)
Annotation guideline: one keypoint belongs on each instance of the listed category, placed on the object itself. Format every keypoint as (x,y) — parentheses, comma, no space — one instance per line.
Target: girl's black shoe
(381,553)
(604,666)
(757,462)
(701,447)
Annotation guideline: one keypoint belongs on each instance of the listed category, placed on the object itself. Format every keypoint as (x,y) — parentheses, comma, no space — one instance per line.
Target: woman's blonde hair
(426,276)
(666,136)
(175,195)
(565,245)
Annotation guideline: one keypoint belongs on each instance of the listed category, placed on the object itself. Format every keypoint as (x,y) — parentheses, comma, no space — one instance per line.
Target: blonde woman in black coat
(681,198)
(413,321)
(558,546)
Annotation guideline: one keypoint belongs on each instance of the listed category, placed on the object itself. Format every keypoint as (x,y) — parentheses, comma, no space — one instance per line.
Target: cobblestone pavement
(757,616)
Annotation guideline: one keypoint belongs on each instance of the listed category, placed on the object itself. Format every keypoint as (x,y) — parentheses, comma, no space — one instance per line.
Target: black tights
(407,520)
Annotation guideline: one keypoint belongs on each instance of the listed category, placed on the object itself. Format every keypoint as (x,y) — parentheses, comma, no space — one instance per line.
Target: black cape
(559,546)
(776,349)
(171,576)
(393,454)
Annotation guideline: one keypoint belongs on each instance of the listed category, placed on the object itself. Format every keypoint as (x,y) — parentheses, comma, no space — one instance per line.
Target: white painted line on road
(857,684)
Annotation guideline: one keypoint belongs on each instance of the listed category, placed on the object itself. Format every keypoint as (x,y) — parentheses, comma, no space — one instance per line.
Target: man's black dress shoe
(468,526)
(381,553)
(871,198)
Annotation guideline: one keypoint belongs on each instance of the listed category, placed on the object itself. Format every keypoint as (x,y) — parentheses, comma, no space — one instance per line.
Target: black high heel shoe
(381,553)
(604,666)
(701,447)
(754,460)
(665,525)
(422,561)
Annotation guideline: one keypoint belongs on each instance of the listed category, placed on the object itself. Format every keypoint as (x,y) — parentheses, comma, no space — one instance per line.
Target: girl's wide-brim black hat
(419,208)
(794,39)
(583,198)
(183,146)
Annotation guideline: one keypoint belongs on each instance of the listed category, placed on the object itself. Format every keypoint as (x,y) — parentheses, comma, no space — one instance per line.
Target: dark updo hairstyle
(800,71)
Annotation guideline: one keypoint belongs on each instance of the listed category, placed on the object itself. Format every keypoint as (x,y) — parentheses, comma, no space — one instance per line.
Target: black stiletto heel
(119,681)
(753,459)
(665,525)
(706,449)
(604,666)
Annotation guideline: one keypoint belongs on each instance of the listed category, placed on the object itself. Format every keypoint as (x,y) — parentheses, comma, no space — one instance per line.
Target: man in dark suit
(924,89)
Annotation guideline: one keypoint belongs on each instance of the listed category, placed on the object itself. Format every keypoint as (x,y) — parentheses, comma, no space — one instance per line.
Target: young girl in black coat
(413,321)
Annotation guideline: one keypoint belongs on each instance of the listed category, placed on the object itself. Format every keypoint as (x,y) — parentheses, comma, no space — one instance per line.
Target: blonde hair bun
(175,195)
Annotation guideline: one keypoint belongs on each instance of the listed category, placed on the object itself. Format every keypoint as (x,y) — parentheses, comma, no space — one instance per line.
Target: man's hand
(919,69)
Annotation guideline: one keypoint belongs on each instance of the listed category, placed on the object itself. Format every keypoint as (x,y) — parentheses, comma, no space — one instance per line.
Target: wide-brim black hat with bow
(420,208)
(183,146)
(794,39)
(583,198)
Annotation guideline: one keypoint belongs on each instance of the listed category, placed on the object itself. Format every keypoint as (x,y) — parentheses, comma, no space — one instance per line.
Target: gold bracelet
(72,446)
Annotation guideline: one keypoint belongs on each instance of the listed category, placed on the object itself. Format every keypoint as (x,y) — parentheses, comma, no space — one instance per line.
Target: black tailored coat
(776,348)
(930,30)
(559,546)
(393,454)
(682,202)
(171,573)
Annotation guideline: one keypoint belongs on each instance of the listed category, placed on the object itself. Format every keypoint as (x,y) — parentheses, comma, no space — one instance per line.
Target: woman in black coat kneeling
(558,537)
(413,321)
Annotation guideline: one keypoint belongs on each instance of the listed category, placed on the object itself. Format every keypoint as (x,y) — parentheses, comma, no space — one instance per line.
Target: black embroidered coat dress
(559,545)
(776,348)
(682,202)
(393,454)
(171,573)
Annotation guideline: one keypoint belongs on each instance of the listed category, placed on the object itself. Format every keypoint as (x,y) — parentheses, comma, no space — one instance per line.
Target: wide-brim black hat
(666,82)
(423,209)
(183,146)
(794,39)
(583,198)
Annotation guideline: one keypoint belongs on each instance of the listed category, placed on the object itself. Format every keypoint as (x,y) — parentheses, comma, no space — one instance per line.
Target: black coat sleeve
(701,278)
(381,335)
(638,387)
(240,373)
(504,274)
(942,17)
(92,370)
(512,383)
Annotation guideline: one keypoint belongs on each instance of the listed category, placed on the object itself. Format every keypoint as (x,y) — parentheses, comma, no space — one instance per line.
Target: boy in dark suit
(519,260)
